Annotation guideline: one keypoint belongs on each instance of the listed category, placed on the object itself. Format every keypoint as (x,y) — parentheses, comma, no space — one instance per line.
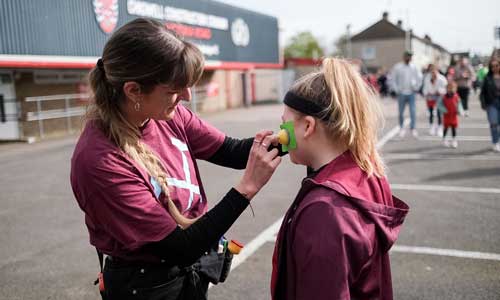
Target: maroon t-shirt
(121,201)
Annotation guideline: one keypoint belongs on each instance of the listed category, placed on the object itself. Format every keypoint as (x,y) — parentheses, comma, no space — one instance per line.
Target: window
(5,78)
(368,52)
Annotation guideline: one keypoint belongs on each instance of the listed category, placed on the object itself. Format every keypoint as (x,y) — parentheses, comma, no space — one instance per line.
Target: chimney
(400,23)
(427,37)
(385,15)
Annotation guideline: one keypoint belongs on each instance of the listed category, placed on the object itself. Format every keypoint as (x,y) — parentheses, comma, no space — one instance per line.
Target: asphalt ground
(449,247)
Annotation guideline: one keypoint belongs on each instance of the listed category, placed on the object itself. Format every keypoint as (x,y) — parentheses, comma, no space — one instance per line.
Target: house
(382,44)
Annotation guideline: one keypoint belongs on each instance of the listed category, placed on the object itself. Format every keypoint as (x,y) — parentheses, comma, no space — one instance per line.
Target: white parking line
(392,133)
(250,248)
(443,188)
(446,252)
(467,138)
(268,235)
(464,126)
(431,156)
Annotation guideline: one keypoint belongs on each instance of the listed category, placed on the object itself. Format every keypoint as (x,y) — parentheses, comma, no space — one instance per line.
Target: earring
(137,106)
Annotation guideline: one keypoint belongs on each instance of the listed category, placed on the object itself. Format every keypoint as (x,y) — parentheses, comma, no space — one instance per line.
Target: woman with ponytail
(134,171)
(335,238)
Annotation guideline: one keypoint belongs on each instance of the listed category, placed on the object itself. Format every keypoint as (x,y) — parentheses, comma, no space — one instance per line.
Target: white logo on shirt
(184,184)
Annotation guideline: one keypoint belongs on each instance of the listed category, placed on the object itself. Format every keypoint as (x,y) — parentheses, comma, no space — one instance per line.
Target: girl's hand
(260,166)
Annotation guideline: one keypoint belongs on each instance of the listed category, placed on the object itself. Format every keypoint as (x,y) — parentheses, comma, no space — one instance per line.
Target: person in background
(372,81)
(464,77)
(406,80)
(382,82)
(434,88)
(490,101)
(481,73)
(450,74)
(450,106)
(334,240)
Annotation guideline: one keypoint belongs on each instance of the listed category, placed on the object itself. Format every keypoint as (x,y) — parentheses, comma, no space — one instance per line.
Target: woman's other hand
(260,166)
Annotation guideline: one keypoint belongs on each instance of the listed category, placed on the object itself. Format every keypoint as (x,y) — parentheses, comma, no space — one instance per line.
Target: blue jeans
(402,100)
(493,112)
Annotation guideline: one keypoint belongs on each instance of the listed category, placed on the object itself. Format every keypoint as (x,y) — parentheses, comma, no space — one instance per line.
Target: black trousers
(463,92)
(453,131)
(431,115)
(143,281)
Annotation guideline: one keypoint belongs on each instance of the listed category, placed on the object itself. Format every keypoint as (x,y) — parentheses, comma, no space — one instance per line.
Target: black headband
(306,106)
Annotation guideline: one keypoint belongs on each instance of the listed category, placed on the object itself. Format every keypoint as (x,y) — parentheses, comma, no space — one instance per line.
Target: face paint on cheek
(287,137)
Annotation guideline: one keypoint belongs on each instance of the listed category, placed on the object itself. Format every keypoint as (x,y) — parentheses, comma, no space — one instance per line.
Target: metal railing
(66,112)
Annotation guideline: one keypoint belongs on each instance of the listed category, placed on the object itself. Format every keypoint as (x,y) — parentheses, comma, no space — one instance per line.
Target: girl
(434,88)
(134,172)
(335,238)
(451,108)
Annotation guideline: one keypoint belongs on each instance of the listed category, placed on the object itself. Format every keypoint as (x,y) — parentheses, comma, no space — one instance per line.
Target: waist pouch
(215,266)
(159,281)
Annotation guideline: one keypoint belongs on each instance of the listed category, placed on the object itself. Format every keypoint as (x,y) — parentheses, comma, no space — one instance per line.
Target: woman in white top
(434,88)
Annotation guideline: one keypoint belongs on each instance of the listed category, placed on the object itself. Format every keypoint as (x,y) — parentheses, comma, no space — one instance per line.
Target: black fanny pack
(124,280)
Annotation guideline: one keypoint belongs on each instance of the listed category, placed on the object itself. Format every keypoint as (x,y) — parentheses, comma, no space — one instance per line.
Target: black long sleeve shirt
(187,245)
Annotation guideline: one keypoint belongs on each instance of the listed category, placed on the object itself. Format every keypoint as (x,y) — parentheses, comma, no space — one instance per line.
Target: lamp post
(348,41)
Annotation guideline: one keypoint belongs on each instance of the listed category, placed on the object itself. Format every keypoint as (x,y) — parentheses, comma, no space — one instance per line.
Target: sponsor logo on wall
(240,33)
(106,13)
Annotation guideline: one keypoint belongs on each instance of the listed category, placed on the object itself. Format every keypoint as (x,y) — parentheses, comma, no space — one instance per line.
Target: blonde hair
(143,51)
(355,114)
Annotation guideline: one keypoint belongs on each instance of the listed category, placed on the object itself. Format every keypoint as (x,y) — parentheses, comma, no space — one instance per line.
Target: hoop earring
(137,106)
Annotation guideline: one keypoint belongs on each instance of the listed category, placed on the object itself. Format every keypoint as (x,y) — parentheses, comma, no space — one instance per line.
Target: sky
(460,25)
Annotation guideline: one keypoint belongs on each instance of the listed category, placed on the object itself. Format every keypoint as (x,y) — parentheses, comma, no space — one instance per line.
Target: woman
(335,238)
(134,171)
(490,100)
(464,77)
(433,89)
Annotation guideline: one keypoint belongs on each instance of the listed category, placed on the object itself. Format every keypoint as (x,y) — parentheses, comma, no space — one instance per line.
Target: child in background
(451,108)
(335,238)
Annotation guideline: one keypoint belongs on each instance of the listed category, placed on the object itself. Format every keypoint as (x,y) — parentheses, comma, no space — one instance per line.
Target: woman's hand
(260,166)
(261,135)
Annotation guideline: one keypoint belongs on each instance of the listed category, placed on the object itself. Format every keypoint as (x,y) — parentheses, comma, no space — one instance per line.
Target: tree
(303,45)
(340,46)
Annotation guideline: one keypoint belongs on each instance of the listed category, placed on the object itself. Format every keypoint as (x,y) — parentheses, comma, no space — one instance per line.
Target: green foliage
(303,45)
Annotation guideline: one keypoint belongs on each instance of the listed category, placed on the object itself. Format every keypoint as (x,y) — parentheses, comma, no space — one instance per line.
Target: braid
(142,154)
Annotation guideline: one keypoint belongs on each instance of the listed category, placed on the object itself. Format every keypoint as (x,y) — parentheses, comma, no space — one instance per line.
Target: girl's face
(161,102)
(299,154)
(450,89)
(495,67)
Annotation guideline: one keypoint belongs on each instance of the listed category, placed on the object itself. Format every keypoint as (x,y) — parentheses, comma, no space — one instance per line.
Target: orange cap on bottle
(234,247)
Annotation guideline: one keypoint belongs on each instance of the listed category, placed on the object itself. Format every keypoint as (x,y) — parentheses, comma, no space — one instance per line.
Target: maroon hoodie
(335,238)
